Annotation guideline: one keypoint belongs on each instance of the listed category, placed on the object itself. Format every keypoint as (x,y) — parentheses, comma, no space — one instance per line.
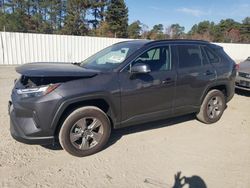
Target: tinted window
(158,59)
(189,56)
(204,57)
(212,56)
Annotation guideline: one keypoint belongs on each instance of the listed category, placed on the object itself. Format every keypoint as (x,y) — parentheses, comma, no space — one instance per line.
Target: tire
(212,107)
(85,131)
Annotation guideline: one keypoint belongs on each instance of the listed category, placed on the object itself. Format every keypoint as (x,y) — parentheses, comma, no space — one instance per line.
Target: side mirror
(140,68)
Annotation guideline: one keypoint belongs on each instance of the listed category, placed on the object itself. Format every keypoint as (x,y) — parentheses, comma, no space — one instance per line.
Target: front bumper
(31,118)
(242,83)
(22,135)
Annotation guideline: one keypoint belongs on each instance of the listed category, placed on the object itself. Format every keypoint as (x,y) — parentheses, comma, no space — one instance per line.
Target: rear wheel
(85,131)
(212,107)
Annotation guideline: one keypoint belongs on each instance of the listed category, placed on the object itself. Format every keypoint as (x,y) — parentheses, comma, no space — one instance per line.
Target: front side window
(189,56)
(158,59)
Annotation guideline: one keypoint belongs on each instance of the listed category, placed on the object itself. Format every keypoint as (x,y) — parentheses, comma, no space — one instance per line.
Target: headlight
(37,91)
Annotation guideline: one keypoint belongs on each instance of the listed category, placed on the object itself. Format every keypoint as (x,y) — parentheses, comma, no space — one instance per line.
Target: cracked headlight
(36,91)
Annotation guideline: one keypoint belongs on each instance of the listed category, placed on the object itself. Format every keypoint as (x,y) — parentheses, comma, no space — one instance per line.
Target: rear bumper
(19,130)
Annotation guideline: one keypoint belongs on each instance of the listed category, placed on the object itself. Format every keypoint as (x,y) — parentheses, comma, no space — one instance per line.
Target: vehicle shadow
(242,92)
(180,182)
(117,134)
(55,146)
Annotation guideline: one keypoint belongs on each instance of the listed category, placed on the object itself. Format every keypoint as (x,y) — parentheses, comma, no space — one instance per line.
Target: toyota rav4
(128,83)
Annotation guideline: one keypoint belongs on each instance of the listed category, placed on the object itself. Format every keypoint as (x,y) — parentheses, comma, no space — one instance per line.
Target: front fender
(113,108)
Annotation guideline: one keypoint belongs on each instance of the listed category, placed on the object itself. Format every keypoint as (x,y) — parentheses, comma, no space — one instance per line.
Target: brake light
(237,67)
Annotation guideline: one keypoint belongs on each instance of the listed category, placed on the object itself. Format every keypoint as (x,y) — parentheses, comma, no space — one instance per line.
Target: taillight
(237,67)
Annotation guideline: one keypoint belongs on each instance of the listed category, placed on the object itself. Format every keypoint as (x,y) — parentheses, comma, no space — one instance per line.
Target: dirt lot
(146,156)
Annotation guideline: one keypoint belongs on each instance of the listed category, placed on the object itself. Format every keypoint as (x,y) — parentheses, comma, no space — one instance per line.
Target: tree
(223,27)
(233,35)
(156,33)
(103,30)
(245,30)
(134,30)
(203,31)
(246,21)
(98,12)
(177,31)
(158,29)
(75,21)
(117,18)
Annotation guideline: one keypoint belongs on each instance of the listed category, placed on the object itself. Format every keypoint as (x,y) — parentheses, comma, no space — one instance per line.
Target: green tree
(134,30)
(246,21)
(156,33)
(75,21)
(222,28)
(245,30)
(203,31)
(117,18)
(177,31)
(158,29)
(98,12)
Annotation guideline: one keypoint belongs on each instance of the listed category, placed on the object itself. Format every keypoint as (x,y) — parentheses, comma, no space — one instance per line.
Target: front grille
(244,75)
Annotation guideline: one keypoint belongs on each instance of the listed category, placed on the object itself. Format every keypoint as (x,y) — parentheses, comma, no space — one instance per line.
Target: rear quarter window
(212,56)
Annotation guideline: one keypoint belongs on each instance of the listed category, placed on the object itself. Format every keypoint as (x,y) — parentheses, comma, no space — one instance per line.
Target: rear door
(194,74)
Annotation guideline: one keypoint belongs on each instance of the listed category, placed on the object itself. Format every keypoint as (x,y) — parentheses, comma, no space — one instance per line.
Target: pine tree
(75,21)
(134,30)
(98,12)
(117,18)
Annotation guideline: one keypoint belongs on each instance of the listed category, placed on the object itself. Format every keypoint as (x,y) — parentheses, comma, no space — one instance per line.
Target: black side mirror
(140,68)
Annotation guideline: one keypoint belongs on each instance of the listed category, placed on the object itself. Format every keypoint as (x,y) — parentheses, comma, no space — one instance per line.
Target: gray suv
(126,84)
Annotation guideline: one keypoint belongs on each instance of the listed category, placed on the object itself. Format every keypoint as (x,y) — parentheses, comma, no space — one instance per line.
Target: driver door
(148,96)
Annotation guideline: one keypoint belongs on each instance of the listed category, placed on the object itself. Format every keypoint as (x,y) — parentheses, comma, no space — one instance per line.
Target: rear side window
(212,56)
(189,56)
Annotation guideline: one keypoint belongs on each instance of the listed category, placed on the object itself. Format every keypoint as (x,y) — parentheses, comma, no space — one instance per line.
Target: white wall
(20,48)
(237,52)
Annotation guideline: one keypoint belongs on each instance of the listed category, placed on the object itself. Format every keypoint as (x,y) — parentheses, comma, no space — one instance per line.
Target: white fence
(20,48)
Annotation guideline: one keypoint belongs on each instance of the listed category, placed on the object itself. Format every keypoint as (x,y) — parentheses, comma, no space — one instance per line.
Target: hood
(245,67)
(48,69)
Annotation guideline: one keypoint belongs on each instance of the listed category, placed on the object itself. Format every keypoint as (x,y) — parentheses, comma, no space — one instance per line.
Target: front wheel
(85,131)
(212,107)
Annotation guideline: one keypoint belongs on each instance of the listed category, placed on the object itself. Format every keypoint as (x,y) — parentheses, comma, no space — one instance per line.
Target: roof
(149,42)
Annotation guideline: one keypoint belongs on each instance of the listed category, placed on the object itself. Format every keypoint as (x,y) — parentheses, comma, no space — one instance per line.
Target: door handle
(168,81)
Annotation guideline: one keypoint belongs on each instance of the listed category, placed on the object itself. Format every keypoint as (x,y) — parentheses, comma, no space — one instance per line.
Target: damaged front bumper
(31,118)
(21,135)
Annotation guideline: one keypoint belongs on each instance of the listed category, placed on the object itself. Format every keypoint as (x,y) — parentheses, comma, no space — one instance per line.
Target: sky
(186,12)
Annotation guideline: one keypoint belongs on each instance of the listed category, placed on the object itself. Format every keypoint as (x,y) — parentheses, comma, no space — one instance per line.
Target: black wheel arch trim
(213,86)
(79,99)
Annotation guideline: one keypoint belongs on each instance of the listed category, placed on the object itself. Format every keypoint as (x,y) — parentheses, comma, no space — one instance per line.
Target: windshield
(110,57)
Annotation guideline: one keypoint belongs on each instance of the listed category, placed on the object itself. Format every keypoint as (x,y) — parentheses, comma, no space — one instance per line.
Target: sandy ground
(216,156)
